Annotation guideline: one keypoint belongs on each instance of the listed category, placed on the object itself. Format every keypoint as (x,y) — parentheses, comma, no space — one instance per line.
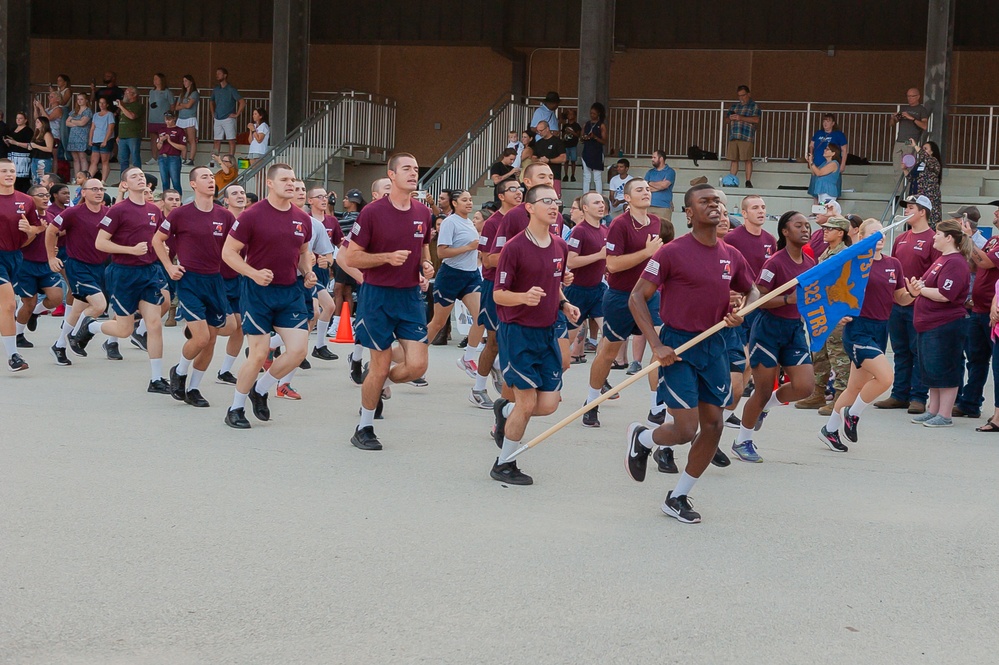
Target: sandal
(617,365)
(989,426)
(577,360)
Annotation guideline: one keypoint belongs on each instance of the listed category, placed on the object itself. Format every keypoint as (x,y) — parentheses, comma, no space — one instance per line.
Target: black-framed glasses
(547,200)
(96,189)
(515,188)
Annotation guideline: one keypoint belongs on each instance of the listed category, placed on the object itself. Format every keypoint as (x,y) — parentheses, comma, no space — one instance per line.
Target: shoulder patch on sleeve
(652,267)
(766,276)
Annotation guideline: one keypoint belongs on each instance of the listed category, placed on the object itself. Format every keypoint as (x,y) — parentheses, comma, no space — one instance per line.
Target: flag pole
(654,365)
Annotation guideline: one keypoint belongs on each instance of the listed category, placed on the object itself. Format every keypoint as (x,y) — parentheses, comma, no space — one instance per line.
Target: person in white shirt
(260,135)
(616,186)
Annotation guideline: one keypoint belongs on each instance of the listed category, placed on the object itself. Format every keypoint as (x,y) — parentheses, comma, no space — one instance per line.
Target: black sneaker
(591,418)
(365,439)
(679,508)
(84,336)
(225,378)
(33,322)
(750,387)
(606,388)
(664,460)
(236,419)
(850,424)
(259,404)
(720,459)
(23,343)
(16,363)
(74,346)
(749,184)
(111,349)
(733,422)
(419,382)
(178,385)
(355,370)
(638,455)
(657,418)
(324,353)
(60,356)
(463,343)
(159,386)
(831,439)
(194,398)
(305,364)
(138,340)
(500,432)
(509,473)
(187,332)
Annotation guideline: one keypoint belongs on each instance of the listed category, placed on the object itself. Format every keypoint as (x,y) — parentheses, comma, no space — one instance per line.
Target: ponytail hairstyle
(782,223)
(952,228)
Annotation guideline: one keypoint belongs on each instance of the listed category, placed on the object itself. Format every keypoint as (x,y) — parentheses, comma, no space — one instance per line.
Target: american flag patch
(652,267)
(766,276)
(573,242)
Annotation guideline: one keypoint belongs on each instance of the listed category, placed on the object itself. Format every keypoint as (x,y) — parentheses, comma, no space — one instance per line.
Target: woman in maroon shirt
(939,321)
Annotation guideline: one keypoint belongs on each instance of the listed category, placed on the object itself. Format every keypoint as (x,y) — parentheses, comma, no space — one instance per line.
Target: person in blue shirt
(226,105)
(547,112)
(661,178)
(826,180)
(829,134)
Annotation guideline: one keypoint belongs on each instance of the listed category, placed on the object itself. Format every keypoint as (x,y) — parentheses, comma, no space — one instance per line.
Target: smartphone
(420,194)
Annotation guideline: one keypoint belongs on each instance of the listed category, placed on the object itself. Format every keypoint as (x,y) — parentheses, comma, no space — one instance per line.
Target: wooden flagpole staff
(654,365)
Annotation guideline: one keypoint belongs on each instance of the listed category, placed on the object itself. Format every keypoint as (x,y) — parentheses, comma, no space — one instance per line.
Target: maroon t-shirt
(886,277)
(486,237)
(12,207)
(915,252)
(984,287)
(35,250)
(695,280)
(777,270)
(510,225)
(952,276)
(197,237)
(51,213)
(586,240)
(625,236)
(333,230)
(129,224)
(177,135)
(81,227)
(818,242)
(382,227)
(273,239)
(755,249)
(523,265)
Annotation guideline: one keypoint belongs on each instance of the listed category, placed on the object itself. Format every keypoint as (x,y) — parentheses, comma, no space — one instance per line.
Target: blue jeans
(170,172)
(908,384)
(129,150)
(978,352)
(43,165)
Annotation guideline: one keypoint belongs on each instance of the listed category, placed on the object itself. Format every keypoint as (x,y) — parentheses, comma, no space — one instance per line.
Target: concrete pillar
(939,53)
(289,67)
(596,47)
(15,56)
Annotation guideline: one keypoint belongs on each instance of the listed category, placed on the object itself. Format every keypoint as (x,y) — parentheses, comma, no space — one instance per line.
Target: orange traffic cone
(344,331)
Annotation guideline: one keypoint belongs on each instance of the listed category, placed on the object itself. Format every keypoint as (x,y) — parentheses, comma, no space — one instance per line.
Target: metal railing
(891,207)
(465,162)
(346,122)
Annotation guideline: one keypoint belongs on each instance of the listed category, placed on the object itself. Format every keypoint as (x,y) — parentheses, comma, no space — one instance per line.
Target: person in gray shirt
(226,105)
(912,121)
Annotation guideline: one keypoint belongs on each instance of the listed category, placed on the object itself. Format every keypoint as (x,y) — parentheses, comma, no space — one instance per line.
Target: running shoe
(159,387)
(365,439)
(236,419)
(111,350)
(680,509)
(759,421)
(720,459)
(480,398)
(497,379)
(138,340)
(637,460)
(500,431)
(832,440)
(469,367)
(178,385)
(591,418)
(656,419)
(33,322)
(225,378)
(634,368)
(664,460)
(938,421)
(746,451)
(606,388)
(305,364)
(16,363)
(733,421)
(923,417)
(850,424)
(60,356)
(23,343)
(419,382)
(355,370)
(509,473)
(259,403)
(323,353)
(285,391)
(195,398)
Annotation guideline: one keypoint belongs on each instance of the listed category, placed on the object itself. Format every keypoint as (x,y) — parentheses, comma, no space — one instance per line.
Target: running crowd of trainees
(548,286)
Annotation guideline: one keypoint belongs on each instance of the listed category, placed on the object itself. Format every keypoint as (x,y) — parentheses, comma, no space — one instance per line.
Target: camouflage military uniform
(832,357)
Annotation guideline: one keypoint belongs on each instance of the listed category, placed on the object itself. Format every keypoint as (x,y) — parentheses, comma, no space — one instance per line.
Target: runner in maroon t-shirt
(18,225)
(752,241)
(235,203)
(35,276)
(77,227)
(529,278)
(588,261)
(328,318)
(978,350)
(696,275)
(389,244)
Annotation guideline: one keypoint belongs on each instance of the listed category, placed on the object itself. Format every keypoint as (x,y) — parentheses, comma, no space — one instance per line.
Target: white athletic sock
(286,379)
(64,330)
(141,330)
(183,366)
(481,347)
(773,402)
(657,406)
(276,341)
(645,438)
(508,409)
(744,435)
(835,420)
(470,353)
(94,327)
(265,383)
(592,394)
(79,324)
(156,368)
(684,484)
(729,412)
(321,328)
(334,324)
(367,418)
(194,380)
(480,382)
(238,400)
(9,345)
(356,354)
(19,328)
(509,448)
(114,340)
(227,363)
(40,307)
(858,406)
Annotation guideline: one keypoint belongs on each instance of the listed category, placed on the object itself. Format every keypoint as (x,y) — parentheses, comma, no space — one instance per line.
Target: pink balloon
(908,161)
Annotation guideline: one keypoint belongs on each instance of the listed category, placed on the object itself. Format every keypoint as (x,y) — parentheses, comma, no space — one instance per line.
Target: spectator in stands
(829,134)
(55,114)
(594,140)
(547,112)
(226,105)
(78,122)
(929,175)
(42,150)
(571,131)
(513,141)
(661,178)
(503,170)
(228,172)
(131,129)
(616,185)
(172,147)
(160,101)
(912,121)
(826,180)
(101,139)
(63,87)
(550,150)
(18,140)
(526,154)
(187,116)
(260,135)
(113,95)
(743,117)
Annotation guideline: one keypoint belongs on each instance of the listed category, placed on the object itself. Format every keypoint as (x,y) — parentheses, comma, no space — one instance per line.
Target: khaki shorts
(898,151)
(740,151)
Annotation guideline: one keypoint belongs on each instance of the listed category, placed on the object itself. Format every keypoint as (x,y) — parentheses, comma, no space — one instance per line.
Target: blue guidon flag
(835,288)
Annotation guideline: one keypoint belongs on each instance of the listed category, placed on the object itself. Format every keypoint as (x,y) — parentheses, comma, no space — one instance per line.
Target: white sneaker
(469,366)
(480,398)
(150,161)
